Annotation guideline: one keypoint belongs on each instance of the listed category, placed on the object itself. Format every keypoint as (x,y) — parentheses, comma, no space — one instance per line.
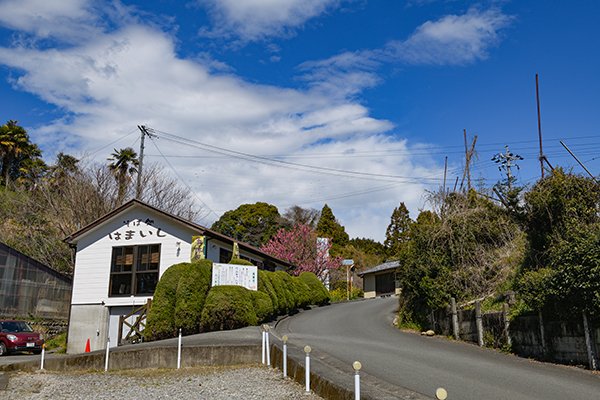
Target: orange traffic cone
(87,346)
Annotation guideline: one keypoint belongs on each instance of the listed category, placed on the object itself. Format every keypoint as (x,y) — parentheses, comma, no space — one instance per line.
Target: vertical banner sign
(197,248)
(237,275)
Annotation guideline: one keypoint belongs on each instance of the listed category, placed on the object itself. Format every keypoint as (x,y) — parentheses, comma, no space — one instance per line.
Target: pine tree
(329,227)
(397,233)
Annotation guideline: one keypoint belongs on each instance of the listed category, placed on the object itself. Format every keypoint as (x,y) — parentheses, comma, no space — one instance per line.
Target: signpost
(349,263)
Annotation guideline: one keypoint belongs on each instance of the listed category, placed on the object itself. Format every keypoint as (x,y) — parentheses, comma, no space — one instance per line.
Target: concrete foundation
(88,321)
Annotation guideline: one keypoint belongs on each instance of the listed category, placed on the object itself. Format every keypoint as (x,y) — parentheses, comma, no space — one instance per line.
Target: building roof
(381,268)
(43,267)
(73,238)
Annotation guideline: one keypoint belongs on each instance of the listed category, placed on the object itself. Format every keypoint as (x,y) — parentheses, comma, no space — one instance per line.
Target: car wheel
(3,349)
(37,352)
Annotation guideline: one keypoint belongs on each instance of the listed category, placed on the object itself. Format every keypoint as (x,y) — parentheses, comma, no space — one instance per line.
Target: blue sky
(356,101)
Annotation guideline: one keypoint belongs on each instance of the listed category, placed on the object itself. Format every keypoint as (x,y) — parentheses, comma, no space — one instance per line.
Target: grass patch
(57,343)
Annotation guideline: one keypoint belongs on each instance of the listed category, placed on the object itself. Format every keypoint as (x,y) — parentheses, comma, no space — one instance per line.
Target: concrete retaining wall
(564,340)
(158,357)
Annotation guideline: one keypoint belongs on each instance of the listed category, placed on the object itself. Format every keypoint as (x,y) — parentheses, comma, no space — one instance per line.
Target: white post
(179,351)
(285,339)
(441,394)
(307,350)
(106,357)
(264,338)
(43,355)
(357,366)
(268,350)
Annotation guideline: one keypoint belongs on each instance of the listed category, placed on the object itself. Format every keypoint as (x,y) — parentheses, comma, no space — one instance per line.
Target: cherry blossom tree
(299,247)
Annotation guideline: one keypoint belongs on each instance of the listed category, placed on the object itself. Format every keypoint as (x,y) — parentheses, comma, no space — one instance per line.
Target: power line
(291,165)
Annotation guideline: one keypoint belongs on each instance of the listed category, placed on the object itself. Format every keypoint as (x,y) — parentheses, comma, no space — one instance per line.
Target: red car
(18,336)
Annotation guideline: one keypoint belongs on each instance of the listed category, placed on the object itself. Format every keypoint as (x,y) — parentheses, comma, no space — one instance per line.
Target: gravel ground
(191,383)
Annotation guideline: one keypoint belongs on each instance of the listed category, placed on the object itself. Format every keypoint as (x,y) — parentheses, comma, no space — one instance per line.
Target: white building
(120,258)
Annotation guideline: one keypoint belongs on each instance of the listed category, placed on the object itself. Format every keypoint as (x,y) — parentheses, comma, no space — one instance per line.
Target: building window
(224,255)
(134,270)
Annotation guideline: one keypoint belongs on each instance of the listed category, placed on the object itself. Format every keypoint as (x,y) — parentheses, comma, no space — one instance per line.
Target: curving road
(363,331)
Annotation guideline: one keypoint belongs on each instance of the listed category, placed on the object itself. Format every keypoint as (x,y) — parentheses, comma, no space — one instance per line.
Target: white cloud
(453,39)
(109,82)
(252,20)
(450,40)
(66,19)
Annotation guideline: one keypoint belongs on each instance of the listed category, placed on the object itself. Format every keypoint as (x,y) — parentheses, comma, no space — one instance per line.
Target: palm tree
(124,164)
(15,150)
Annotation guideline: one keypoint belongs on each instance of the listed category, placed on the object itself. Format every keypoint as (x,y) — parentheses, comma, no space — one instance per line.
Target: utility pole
(445,173)
(539,115)
(505,161)
(144,133)
(468,155)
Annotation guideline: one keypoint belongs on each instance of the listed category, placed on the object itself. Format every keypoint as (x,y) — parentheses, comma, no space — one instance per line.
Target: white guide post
(264,338)
(106,357)
(285,339)
(307,350)
(357,366)
(179,351)
(43,355)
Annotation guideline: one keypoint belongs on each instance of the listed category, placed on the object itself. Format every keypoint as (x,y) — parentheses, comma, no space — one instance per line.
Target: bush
(161,317)
(228,307)
(263,306)
(287,287)
(193,286)
(239,261)
(319,295)
(266,286)
(338,295)
(301,292)
(285,302)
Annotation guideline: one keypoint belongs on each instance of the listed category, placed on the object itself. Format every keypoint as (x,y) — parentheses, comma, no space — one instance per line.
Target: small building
(381,280)
(30,289)
(120,258)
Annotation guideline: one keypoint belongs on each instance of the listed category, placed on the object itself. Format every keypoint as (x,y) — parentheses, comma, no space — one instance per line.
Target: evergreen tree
(329,227)
(124,165)
(20,159)
(397,233)
(254,224)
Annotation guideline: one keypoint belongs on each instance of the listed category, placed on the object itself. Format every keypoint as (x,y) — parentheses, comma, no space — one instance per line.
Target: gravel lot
(191,383)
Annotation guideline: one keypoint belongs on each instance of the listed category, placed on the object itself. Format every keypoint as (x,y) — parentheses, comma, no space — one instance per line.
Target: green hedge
(318,293)
(184,299)
(266,286)
(160,323)
(228,307)
(194,284)
(263,306)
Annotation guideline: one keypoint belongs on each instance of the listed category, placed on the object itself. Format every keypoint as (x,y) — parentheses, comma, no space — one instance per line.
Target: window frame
(135,270)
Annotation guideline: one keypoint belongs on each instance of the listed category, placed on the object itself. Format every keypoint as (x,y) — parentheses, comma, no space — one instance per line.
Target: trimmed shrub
(161,317)
(228,307)
(287,288)
(194,284)
(263,306)
(239,261)
(285,304)
(301,292)
(265,286)
(318,293)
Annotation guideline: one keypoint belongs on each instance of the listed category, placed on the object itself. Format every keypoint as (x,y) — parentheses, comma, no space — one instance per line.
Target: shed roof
(381,267)
(74,238)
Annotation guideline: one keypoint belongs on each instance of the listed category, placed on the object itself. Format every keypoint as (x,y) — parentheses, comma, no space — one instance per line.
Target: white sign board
(237,275)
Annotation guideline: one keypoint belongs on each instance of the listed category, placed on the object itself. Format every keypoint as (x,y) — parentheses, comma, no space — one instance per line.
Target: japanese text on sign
(238,275)
(137,228)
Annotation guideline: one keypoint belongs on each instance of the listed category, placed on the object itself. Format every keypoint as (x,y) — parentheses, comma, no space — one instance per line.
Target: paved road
(363,331)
